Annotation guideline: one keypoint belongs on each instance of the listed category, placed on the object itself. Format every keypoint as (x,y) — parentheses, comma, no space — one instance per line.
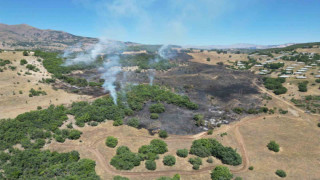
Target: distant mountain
(239,46)
(23,36)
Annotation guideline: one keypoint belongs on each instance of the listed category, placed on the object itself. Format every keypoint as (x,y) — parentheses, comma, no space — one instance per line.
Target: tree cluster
(275,84)
(208,147)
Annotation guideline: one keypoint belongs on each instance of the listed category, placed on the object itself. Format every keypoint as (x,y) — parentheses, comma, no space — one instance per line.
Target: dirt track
(107,168)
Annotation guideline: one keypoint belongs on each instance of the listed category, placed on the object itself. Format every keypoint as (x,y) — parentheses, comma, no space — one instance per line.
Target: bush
(150,152)
(210,132)
(120,178)
(154,116)
(157,108)
(134,122)
(221,172)
(125,159)
(175,177)
(23,62)
(182,153)
(74,134)
(118,122)
(303,86)
(196,162)
(238,110)
(238,178)
(163,134)
(32,68)
(210,160)
(281,173)
(208,147)
(111,141)
(317,80)
(251,168)
(275,84)
(199,119)
(151,165)
(169,160)
(319,124)
(273,146)
(25,53)
(34,92)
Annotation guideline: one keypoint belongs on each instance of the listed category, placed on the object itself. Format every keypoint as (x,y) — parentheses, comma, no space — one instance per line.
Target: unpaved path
(108,169)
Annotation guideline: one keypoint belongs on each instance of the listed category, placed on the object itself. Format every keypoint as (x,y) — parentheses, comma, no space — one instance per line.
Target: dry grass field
(296,133)
(201,57)
(12,102)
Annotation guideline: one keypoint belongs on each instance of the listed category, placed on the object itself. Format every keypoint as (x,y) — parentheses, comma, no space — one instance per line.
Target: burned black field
(214,88)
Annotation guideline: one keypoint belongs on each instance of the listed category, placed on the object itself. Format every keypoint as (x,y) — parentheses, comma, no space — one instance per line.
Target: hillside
(23,36)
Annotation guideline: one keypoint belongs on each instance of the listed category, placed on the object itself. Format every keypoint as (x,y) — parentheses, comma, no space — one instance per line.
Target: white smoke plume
(110,68)
(101,48)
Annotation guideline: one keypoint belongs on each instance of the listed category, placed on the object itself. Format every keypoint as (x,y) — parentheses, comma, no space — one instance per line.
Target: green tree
(221,173)
(169,160)
(120,178)
(134,122)
(111,141)
(151,165)
(273,146)
(23,62)
(281,173)
(157,108)
(25,53)
(163,134)
(182,153)
(154,116)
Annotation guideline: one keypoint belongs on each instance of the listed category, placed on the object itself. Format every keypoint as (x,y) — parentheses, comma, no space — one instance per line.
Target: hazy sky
(183,22)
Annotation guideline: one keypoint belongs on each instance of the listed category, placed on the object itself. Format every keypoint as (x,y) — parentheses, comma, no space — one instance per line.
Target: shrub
(238,178)
(275,84)
(25,53)
(154,116)
(210,160)
(208,59)
(196,162)
(319,124)
(32,68)
(208,147)
(23,62)
(125,159)
(34,92)
(238,110)
(221,172)
(169,160)
(182,153)
(151,165)
(151,151)
(175,177)
(120,178)
(281,173)
(273,146)
(163,134)
(303,86)
(210,132)
(74,134)
(251,168)
(111,141)
(134,122)
(118,122)
(196,167)
(317,80)
(157,108)
(199,119)
(59,138)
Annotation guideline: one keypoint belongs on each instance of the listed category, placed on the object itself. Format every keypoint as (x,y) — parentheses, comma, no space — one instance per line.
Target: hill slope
(23,36)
